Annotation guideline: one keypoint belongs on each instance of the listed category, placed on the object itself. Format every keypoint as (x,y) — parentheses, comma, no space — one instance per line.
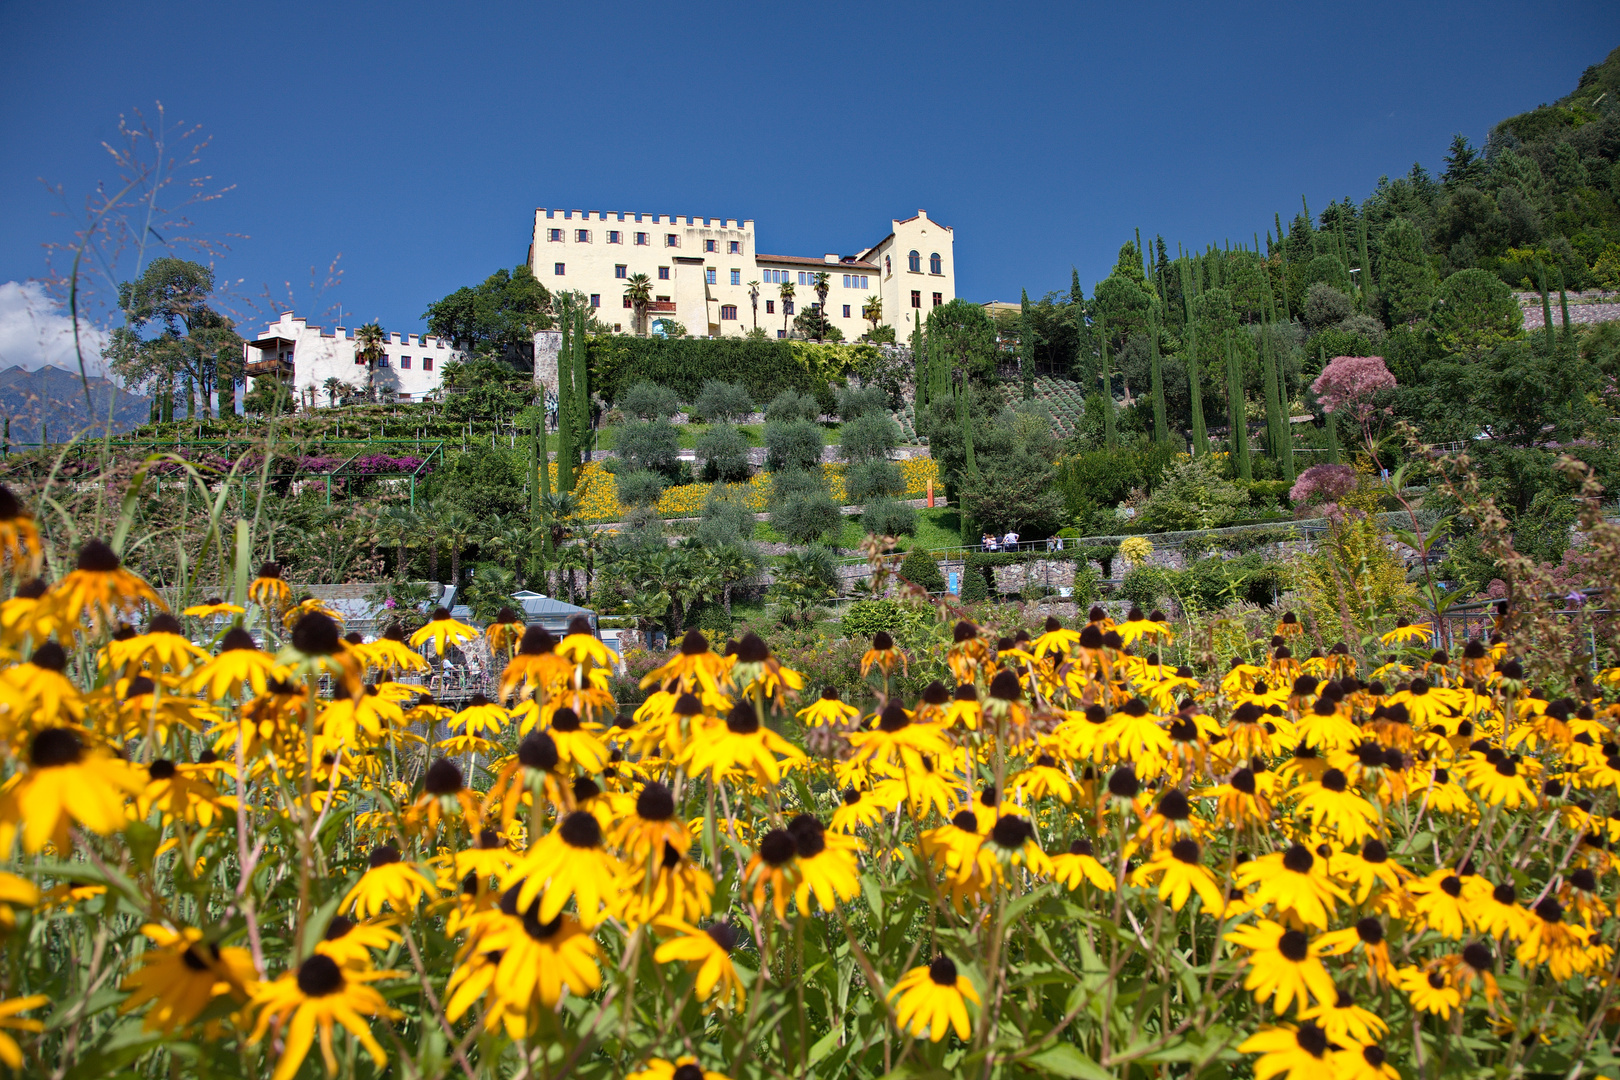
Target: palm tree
(822,283)
(787,302)
(872,311)
(753,298)
(431,533)
(638,290)
(804,579)
(368,342)
(400,526)
(733,564)
(459,530)
(334,387)
(570,558)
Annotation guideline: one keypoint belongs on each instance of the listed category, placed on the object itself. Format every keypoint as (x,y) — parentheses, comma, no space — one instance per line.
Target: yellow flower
(1294,1053)
(741,743)
(320,994)
(1078,865)
(442,630)
(1405,632)
(933,1000)
(708,951)
(826,864)
(1284,965)
(67,781)
(389,882)
(827,709)
(1180,875)
(10,1052)
(20,549)
(183,975)
(240,663)
(570,862)
(269,589)
(682,1068)
(99,590)
(1429,991)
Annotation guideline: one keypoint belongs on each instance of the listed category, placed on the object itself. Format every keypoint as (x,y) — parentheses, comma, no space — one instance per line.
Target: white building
(306,357)
(703,272)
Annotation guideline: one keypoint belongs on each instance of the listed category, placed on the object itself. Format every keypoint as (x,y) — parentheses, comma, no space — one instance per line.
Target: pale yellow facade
(708,275)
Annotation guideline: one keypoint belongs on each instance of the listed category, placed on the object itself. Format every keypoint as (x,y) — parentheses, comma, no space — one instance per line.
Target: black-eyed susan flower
(1137,627)
(1429,990)
(390,654)
(480,716)
(240,663)
(570,863)
(826,864)
(1440,904)
(211,607)
(1079,865)
(66,781)
(99,590)
(443,631)
(682,1068)
(1285,965)
(317,996)
(969,651)
(1240,800)
(536,666)
(829,708)
(10,1052)
(528,771)
(964,708)
(351,943)
(694,664)
(24,614)
(20,550)
(315,646)
(540,957)
(1346,1022)
(178,791)
(652,825)
(1295,1053)
(856,809)
(1011,843)
(933,1000)
(921,786)
(884,655)
(1365,937)
(44,694)
(1180,873)
(1368,1062)
(895,736)
(388,883)
(181,974)
(505,632)
(445,796)
(576,741)
(1293,882)
(1055,639)
(741,743)
(677,887)
(580,645)
(269,589)
(707,953)
(772,867)
(163,645)
(1330,802)
(1554,941)
(1406,633)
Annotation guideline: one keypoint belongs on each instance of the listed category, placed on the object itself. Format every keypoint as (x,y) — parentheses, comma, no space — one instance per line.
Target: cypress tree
(582,386)
(1161,427)
(1026,348)
(1568,335)
(1110,432)
(1195,389)
(1369,287)
(1546,309)
(545,490)
(1331,420)
(1276,423)
(920,370)
(1240,427)
(970,465)
(537,462)
(1282,248)
(565,407)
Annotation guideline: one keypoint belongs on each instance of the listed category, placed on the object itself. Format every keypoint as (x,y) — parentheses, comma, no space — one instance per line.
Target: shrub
(792,444)
(725,454)
(647,446)
(640,488)
(919,568)
(869,437)
(794,483)
(873,480)
(1194,496)
(725,521)
(857,401)
(722,402)
(1145,586)
(802,518)
(791,405)
(649,401)
(864,618)
(886,517)
(975,583)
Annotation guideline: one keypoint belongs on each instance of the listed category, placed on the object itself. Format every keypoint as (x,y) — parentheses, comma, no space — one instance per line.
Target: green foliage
(888,517)
(1474,312)
(792,444)
(975,583)
(961,345)
(804,578)
(196,348)
(763,367)
(641,488)
(1145,586)
(807,516)
(724,452)
(858,401)
(650,401)
(1542,531)
(919,568)
(864,618)
(496,319)
(268,396)
(792,405)
(722,402)
(647,445)
(1194,495)
(870,436)
(484,481)
(873,480)
(1215,582)
(490,589)
(726,520)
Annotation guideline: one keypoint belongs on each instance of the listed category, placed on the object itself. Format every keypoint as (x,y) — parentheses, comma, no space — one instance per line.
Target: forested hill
(54,399)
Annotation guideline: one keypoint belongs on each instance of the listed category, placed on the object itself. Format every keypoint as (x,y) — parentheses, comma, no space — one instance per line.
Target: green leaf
(1065,1060)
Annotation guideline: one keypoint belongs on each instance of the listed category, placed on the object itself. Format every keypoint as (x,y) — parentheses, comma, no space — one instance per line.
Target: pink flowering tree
(1350,386)
(1321,489)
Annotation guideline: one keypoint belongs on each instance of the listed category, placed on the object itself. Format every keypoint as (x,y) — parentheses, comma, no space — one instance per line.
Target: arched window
(888,265)
(934,265)
(916,262)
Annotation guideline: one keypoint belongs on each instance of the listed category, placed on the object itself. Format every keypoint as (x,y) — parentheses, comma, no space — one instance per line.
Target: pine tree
(1026,349)
(565,408)
(1240,426)
(1161,427)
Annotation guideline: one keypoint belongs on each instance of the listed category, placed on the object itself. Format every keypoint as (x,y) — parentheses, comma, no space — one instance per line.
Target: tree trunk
(455,563)
(433,560)
(399,560)
(727,595)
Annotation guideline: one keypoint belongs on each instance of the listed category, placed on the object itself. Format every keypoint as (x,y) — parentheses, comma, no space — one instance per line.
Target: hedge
(766,367)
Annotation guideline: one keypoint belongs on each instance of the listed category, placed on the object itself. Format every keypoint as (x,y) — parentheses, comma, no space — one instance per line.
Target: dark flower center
(966,821)
(443,778)
(316,634)
(538,751)
(1005,686)
(1294,945)
(882,642)
(688,1071)
(581,830)
(851,796)
(1370,930)
(1334,780)
(743,719)
(1374,851)
(1550,910)
(1584,880)
(338,927)
(192,960)
(1082,847)
(688,705)
(1505,894)
(237,638)
(161,769)
(98,558)
(585,789)
(50,656)
(1312,1039)
(319,976)
(809,838)
(1477,956)
(383,855)
(777,847)
(655,803)
(723,934)
(1243,780)
(1185,851)
(1011,832)
(1373,1055)
(537,641)
(55,747)
(1298,859)
(942,971)
(565,719)
(893,718)
(1175,806)
(1123,783)
(1451,886)
(694,644)
(752,649)
(965,631)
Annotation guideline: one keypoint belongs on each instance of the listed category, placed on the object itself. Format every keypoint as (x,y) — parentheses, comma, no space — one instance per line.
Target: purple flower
(389,603)
(1349,384)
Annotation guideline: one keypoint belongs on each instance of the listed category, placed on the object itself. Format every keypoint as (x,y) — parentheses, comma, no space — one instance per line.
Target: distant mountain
(53,399)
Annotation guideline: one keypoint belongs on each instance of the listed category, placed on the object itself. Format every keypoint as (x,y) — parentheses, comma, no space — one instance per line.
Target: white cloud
(35,331)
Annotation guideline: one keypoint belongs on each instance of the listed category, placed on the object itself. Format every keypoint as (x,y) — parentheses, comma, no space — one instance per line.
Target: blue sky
(415,140)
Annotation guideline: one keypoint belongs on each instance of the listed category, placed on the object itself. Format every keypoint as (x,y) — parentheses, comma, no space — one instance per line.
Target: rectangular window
(558,268)
(734,247)
(787,307)
(709,245)
(916,298)
(781,333)
(709,276)
(863,281)
(846,311)
(728,312)
(627,302)
(641,238)
(554,235)
(663,273)
(801,278)
(846,281)
(736,277)
(596,299)
(582,236)
(383,361)
(621,271)
(671,240)
(770,307)
(405,363)
(427,363)
(615,236)
(939,298)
